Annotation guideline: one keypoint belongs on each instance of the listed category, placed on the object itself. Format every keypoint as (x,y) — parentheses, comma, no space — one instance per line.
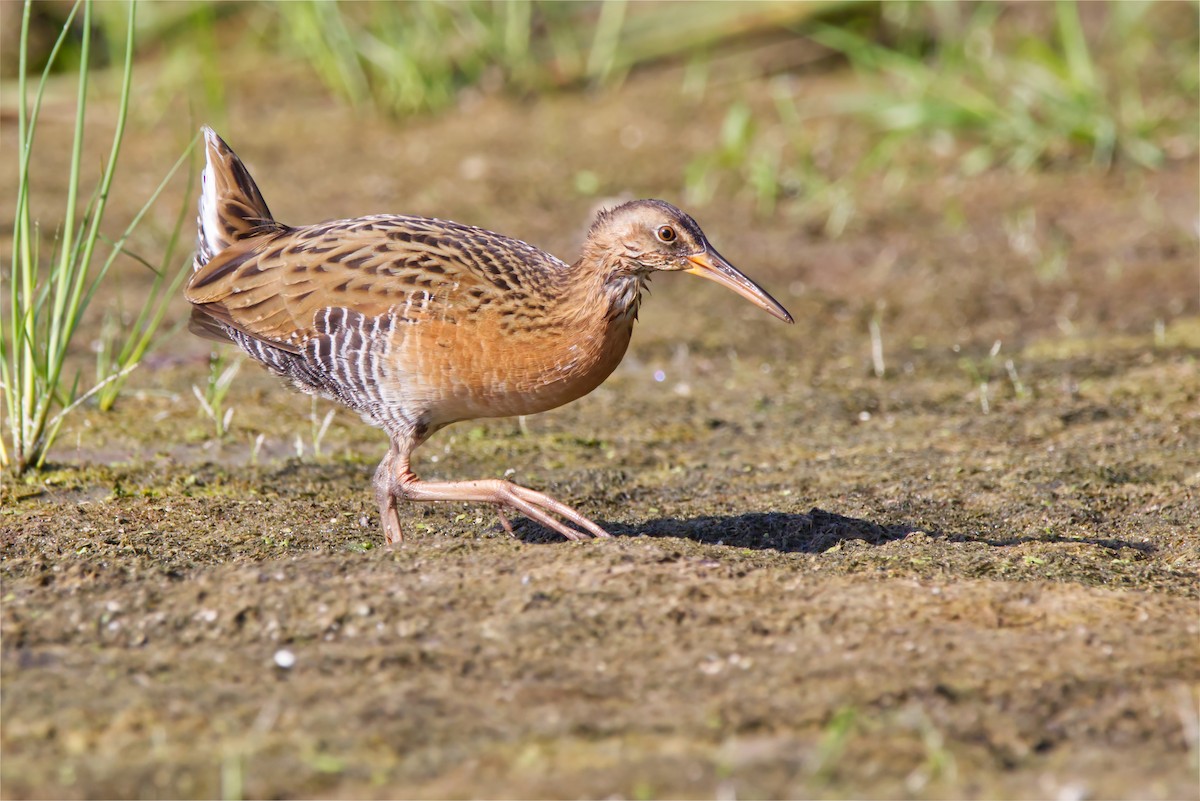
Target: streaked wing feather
(272,288)
(204,325)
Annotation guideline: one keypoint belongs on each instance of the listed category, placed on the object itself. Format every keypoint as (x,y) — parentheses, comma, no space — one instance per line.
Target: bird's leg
(385,494)
(403,483)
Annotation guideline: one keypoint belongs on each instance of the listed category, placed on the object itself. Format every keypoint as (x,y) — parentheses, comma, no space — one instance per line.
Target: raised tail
(231,207)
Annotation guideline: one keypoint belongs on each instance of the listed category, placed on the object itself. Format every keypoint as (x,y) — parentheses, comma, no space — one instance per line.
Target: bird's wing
(272,288)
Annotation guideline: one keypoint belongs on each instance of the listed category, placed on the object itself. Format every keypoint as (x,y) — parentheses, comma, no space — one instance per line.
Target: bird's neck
(621,296)
(610,294)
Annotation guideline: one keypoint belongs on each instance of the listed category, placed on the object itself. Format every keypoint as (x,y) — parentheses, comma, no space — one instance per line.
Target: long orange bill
(712,265)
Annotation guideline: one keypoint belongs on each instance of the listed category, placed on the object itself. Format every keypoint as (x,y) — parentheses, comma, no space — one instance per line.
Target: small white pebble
(285,658)
(864,416)
(1073,791)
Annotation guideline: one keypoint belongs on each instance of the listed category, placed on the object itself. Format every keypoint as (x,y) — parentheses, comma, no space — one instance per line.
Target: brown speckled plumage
(416,323)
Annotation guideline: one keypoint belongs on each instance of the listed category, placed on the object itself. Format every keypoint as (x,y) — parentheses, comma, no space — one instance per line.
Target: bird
(416,322)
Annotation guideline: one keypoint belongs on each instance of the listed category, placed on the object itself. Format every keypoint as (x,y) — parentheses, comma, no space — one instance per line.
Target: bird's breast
(456,371)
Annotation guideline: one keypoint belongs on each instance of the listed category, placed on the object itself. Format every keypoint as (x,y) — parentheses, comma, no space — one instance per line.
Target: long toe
(533,505)
(534,513)
(524,499)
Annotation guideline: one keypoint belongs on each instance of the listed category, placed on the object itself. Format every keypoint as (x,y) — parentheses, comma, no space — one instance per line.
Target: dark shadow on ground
(1111,543)
(814,532)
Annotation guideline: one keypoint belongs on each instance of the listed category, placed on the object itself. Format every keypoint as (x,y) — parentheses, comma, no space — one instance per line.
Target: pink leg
(387,498)
(530,503)
(394,480)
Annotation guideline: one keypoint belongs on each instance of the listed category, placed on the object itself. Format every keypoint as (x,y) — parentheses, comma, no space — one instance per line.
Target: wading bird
(417,323)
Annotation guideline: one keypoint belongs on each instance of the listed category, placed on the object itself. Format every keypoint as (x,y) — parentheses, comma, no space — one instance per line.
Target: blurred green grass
(960,89)
(946,87)
(416,57)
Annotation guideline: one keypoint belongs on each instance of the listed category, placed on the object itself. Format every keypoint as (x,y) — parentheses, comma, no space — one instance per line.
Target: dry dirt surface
(974,575)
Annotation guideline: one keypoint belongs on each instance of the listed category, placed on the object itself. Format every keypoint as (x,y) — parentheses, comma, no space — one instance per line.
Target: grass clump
(1022,103)
(987,91)
(417,56)
(221,372)
(49,292)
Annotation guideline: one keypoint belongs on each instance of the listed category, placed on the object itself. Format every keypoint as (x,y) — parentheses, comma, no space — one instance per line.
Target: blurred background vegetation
(969,85)
(954,86)
(963,87)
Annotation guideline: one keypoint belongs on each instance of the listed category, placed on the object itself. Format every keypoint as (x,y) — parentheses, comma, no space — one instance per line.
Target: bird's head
(644,237)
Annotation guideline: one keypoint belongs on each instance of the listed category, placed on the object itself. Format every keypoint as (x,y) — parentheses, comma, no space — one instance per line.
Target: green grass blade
(65,277)
(75,266)
(46,311)
(18,357)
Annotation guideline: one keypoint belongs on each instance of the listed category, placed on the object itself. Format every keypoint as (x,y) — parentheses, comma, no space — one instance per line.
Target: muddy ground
(972,576)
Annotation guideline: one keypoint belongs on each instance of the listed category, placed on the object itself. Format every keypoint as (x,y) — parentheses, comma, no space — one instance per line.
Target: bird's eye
(666,234)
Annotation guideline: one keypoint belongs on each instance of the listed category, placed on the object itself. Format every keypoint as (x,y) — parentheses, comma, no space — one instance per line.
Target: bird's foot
(504,494)
(537,506)
(394,481)
(385,495)
(391,525)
